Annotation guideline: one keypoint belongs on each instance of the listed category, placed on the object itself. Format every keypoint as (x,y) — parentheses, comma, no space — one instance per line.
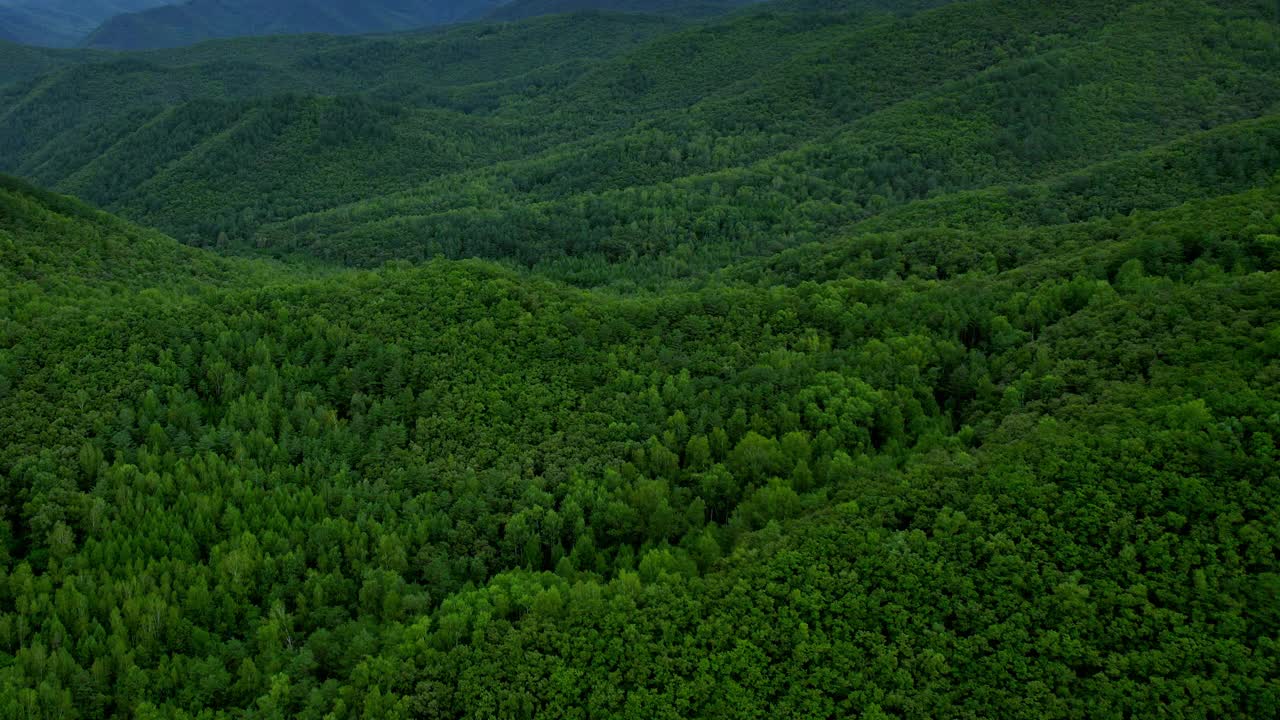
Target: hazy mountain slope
(60,23)
(30,26)
(19,63)
(521,9)
(199,20)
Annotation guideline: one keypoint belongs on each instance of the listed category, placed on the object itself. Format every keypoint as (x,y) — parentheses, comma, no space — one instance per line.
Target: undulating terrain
(60,23)
(795,359)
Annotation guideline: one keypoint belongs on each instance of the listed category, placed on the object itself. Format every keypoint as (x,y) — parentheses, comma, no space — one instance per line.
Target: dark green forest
(805,359)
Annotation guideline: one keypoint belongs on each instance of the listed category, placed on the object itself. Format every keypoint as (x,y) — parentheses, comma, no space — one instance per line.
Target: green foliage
(603,148)
(839,359)
(349,492)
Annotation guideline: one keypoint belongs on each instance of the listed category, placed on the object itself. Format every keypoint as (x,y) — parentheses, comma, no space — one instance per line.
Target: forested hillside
(23,62)
(678,146)
(819,359)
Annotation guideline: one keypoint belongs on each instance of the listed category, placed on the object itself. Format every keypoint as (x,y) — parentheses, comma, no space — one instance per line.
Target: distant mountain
(198,20)
(60,23)
(687,8)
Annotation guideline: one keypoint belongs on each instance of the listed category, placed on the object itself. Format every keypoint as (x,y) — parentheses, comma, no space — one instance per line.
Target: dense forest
(585,140)
(812,359)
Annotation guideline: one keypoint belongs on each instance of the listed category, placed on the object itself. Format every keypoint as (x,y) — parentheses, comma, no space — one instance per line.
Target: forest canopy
(821,359)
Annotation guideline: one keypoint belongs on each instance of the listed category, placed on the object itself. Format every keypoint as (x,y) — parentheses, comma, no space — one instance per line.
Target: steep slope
(59,243)
(199,20)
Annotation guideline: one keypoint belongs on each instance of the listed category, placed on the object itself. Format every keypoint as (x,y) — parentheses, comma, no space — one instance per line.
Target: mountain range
(198,20)
(149,24)
(60,23)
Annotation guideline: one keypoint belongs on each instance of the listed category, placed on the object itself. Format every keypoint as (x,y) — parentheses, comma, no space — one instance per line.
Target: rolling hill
(851,453)
(594,130)
(820,358)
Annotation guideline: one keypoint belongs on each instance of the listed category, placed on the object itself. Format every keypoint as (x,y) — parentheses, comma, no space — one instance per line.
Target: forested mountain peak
(853,358)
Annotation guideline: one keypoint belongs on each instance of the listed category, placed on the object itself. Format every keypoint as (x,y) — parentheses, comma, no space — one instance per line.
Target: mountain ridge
(200,20)
(60,23)
(636,82)
(524,9)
